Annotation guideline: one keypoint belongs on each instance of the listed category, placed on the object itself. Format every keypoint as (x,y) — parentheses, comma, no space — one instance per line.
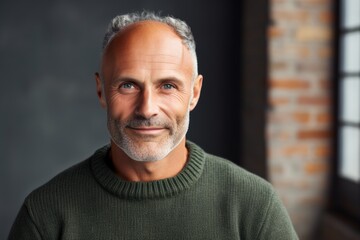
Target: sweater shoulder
(253,199)
(237,177)
(54,201)
(67,181)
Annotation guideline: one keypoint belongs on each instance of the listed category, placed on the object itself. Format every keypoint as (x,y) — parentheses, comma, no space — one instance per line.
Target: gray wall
(50,116)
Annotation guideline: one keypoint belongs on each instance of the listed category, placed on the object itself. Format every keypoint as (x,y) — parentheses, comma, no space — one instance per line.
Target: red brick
(289,84)
(313,3)
(314,100)
(325,84)
(326,17)
(300,45)
(290,117)
(279,101)
(314,134)
(324,118)
(323,151)
(325,52)
(313,168)
(275,31)
(302,52)
(301,117)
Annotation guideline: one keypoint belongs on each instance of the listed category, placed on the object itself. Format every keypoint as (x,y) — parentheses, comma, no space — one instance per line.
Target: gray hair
(120,22)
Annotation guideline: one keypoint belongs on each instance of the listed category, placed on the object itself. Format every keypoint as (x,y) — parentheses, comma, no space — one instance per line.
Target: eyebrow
(171,78)
(125,79)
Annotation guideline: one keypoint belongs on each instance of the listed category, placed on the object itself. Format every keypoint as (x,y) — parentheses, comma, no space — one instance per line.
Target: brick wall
(299,118)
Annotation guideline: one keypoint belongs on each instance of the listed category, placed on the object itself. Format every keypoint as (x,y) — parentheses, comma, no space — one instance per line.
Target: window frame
(345,194)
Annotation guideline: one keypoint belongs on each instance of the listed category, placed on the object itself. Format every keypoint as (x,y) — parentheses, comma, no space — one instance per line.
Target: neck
(136,171)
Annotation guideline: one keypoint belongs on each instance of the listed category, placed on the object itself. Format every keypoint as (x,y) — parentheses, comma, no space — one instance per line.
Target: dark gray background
(50,115)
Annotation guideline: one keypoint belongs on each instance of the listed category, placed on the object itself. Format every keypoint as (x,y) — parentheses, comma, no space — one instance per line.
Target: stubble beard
(148,148)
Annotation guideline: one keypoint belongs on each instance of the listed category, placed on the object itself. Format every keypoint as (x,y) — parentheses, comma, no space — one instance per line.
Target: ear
(196,91)
(100,90)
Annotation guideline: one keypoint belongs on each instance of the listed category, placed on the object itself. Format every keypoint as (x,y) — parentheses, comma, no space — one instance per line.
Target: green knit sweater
(211,198)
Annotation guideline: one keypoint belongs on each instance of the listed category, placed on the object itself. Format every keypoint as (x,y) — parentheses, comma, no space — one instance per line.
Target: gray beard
(151,152)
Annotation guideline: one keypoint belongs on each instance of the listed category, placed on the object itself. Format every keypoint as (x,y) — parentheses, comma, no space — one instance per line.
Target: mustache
(147,122)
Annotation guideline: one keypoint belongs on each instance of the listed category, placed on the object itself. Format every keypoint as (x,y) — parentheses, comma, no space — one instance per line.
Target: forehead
(147,45)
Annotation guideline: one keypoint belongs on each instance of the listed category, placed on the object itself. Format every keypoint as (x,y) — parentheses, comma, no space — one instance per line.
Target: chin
(145,151)
(148,153)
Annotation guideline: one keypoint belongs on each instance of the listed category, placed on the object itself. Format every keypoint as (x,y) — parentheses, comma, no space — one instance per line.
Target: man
(150,183)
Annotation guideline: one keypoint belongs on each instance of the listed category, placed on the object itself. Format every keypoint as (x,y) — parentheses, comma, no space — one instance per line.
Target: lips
(147,130)
(149,127)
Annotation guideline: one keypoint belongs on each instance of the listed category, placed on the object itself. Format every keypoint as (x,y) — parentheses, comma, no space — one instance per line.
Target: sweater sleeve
(24,228)
(276,224)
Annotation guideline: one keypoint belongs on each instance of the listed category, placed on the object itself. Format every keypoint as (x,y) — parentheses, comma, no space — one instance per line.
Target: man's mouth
(147,130)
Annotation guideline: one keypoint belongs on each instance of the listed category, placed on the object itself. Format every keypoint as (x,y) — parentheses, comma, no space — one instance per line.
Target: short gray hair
(120,22)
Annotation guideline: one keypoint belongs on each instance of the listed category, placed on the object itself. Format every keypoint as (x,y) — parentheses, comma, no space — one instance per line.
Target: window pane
(350,99)
(351,16)
(349,153)
(351,52)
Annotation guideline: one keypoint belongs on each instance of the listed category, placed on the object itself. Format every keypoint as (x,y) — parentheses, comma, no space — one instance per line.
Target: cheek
(120,106)
(175,106)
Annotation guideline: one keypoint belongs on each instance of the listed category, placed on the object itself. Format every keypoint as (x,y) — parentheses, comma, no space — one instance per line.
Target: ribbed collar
(147,190)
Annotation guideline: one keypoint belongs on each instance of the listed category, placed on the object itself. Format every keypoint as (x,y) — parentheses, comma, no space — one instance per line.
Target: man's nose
(147,105)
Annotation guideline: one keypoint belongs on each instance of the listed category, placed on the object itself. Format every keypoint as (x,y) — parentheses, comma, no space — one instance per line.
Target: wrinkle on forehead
(150,45)
(156,61)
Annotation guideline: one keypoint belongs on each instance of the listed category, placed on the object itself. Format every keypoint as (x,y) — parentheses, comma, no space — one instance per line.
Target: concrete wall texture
(299,118)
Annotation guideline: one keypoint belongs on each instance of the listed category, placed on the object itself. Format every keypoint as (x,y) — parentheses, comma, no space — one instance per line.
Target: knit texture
(211,198)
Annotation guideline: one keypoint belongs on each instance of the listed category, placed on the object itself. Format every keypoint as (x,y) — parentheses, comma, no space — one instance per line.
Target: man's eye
(127,85)
(168,86)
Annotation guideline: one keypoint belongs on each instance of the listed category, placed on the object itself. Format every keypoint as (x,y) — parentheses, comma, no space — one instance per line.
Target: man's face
(149,90)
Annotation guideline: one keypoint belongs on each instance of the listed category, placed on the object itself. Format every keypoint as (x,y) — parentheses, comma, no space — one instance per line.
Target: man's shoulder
(252,198)
(236,177)
(71,180)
